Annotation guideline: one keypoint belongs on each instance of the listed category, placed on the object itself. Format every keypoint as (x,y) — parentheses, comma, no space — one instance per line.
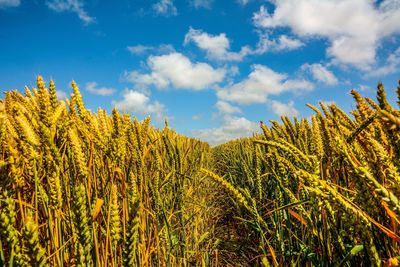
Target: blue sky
(214,68)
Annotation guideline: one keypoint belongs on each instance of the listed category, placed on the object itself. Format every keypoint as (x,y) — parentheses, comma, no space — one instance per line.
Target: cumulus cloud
(231,128)
(284,109)
(282,43)
(261,83)
(144,49)
(391,65)
(139,49)
(354,28)
(216,46)
(94,89)
(243,2)
(75,6)
(197,117)
(202,3)
(138,103)
(9,3)
(176,70)
(165,8)
(364,87)
(288,43)
(320,73)
(226,108)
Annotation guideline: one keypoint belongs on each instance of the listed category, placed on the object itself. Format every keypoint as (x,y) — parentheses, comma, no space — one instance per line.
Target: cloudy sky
(214,68)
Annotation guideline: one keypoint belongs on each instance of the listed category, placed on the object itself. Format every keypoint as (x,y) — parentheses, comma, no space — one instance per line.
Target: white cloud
(261,83)
(226,108)
(202,3)
(364,87)
(165,8)
(232,127)
(288,43)
(354,28)
(143,49)
(283,109)
(391,65)
(320,73)
(136,102)
(216,46)
(75,6)
(197,117)
(282,43)
(61,95)
(94,89)
(139,49)
(243,2)
(9,3)
(178,71)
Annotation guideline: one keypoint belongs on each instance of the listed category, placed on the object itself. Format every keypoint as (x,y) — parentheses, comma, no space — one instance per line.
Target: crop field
(83,188)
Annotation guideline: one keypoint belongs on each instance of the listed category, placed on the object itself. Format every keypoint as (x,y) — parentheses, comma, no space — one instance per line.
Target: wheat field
(79,188)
